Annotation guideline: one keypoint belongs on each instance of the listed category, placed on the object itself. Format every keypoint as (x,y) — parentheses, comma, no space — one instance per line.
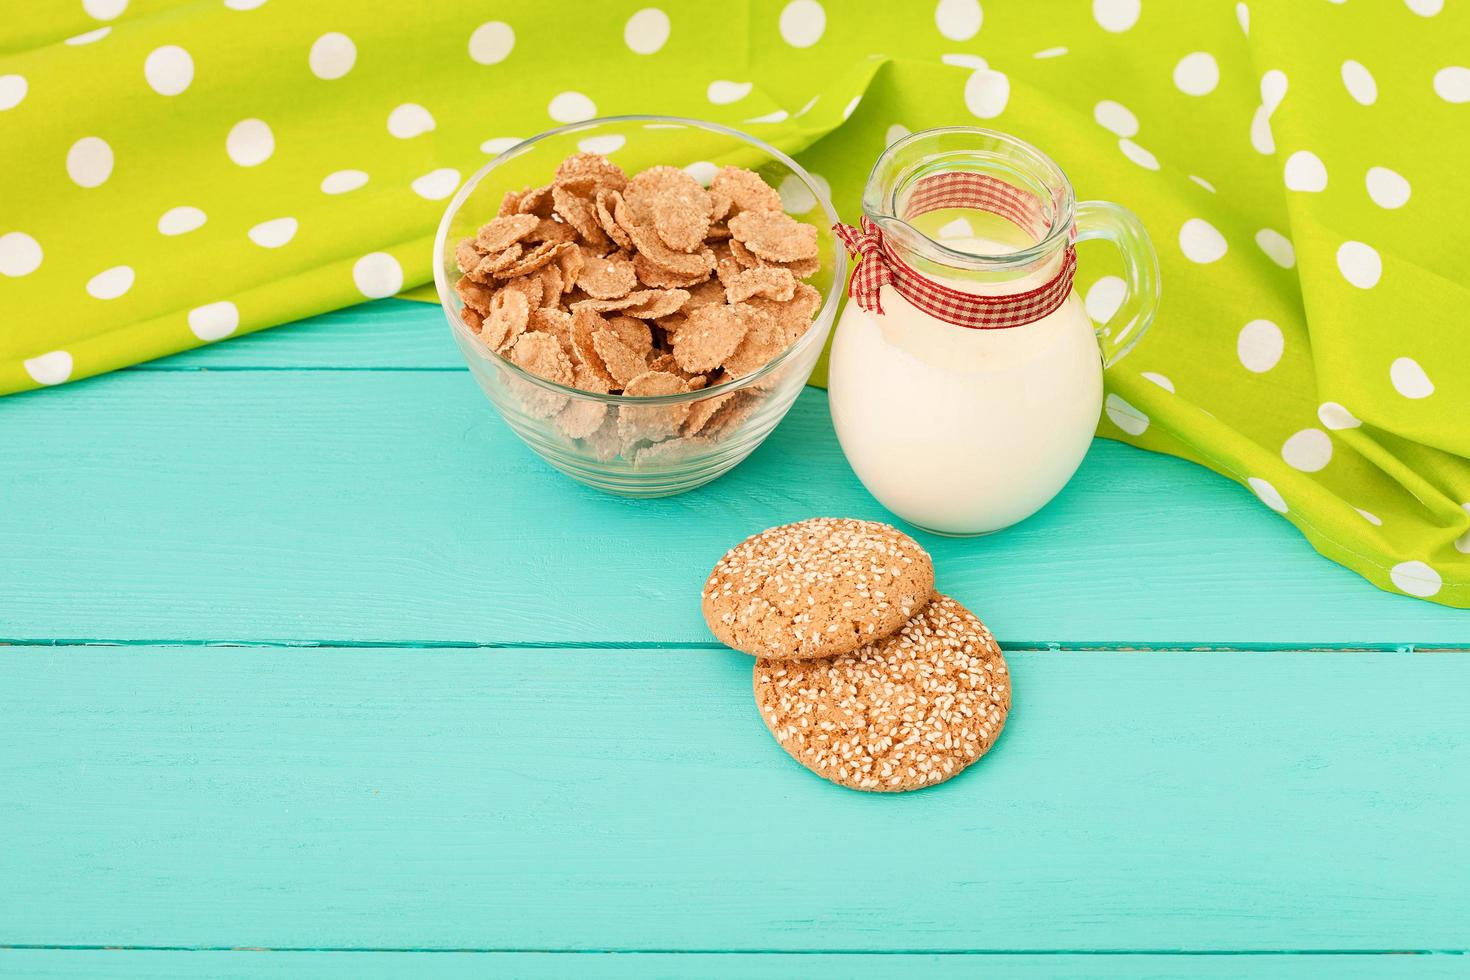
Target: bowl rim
(829,301)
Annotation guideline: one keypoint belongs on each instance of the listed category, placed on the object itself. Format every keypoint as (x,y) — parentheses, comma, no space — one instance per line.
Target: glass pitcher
(966,377)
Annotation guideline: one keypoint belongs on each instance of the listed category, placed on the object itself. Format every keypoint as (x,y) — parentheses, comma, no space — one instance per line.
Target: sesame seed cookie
(909,711)
(817,588)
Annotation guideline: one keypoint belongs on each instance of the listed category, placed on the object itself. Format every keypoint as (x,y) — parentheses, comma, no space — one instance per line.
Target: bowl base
(645,485)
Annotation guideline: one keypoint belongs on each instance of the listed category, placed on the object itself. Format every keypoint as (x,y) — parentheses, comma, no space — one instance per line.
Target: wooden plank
(388,334)
(373,965)
(390,506)
(610,799)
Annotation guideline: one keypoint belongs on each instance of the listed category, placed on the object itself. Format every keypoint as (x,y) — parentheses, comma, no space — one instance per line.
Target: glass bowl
(641,446)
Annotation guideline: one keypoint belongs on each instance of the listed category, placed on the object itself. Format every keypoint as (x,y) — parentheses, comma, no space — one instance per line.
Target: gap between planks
(1011,646)
(99,947)
(152,367)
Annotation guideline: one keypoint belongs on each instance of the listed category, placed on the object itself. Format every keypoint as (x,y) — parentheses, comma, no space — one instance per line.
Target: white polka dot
(1115,118)
(1200,241)
(851,107)
(958,228)
(1268,494)
(499,144)
(377,275)
(780,115)
(409,120)
(250,143)
(1409,378)
(342,181)
(1260,345)
(20,254)
(1104,297)
(1305,172)
(180,220)
(436,185)
(214,321)
(722,92)
(1462,543)
(958,20)
(1371,518)
(1425,8)
(1278,247)
(964,59)
(646,31)
(1115,15)
(702,171)
(1359,264)
(1243,17)
(244,4)
(1125,416)
(1453,84)
(895,133)
(104,9)
(111,283)
(610,143)
(1050,53)
(88,37)
(1159,380)
(332,56)
(1197,73)
(1359,82)
(168,70)
(50,368)
(986,93)
(796,197)
(12,91)
(1261,138)
(1203,183)
(806,107)
(1415,578)
(570,107)
(273,233)
(1138,155)
(1273,89)
(492,42)
(89,161)
(1336,417)
(1387,188)
(1308,450)
(822,188)
(802,23)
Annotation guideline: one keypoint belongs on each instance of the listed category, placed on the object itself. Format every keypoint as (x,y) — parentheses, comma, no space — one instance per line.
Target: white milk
(965,431)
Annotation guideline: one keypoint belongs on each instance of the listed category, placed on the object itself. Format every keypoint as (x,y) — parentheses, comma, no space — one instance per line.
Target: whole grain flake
(640,285)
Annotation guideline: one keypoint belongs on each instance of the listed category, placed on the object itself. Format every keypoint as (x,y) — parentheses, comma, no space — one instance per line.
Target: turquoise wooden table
(312,670)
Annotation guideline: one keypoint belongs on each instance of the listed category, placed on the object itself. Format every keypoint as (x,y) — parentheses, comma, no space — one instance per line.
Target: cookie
(909,711)
(817,588)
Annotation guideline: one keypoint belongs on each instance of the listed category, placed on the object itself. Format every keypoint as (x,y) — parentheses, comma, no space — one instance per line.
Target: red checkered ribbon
(879,265)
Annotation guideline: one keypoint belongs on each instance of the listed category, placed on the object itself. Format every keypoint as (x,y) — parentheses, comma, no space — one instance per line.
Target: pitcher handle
(1116,224)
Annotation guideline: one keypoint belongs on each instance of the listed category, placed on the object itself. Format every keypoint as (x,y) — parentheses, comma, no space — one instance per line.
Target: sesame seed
(817,588)
(917,706)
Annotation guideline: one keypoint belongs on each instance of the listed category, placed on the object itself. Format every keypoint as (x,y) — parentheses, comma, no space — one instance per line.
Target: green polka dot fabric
(177,173)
